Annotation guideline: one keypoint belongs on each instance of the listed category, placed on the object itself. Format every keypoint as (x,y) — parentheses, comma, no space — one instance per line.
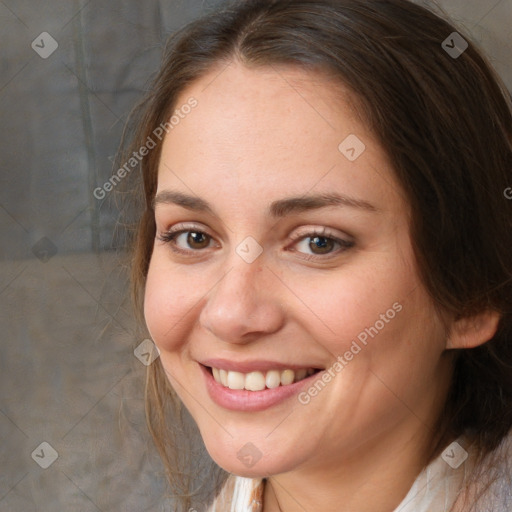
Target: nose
(244,305)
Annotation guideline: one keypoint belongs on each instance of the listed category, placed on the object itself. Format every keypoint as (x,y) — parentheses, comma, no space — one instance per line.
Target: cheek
(344,304)
(169,302)
(369,315)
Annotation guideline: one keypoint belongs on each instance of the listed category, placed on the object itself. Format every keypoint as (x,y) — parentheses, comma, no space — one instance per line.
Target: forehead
(247,108)
(265,129)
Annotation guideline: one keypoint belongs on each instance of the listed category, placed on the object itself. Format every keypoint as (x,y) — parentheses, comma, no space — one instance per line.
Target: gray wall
(62,116)
(69,376)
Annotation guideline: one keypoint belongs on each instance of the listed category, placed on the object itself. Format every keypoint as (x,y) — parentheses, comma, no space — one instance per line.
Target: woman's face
(283,248)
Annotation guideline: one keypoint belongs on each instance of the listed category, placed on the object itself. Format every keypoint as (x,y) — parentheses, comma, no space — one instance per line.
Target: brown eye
(321,244)
(197,240)
(186,240)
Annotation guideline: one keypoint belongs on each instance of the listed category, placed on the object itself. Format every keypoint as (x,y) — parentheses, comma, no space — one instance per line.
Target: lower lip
(243,400)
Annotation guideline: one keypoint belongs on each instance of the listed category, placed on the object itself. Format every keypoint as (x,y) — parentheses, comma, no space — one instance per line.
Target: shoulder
(490,487)
(459,481)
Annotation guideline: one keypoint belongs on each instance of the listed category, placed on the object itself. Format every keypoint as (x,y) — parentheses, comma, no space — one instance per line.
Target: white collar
(436,488)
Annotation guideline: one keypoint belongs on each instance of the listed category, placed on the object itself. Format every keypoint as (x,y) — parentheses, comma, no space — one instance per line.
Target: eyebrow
(289,205)
(279,208)
(184,200)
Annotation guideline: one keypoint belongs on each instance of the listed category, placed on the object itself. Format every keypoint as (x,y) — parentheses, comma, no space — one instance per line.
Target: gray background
(68,373)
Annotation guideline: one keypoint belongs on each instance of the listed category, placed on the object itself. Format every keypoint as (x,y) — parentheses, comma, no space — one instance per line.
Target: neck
(375,480)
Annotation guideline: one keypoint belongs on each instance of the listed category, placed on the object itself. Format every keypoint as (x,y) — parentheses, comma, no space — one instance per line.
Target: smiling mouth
(260,380)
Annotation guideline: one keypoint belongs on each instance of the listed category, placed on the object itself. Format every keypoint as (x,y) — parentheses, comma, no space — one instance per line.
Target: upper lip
(252,366)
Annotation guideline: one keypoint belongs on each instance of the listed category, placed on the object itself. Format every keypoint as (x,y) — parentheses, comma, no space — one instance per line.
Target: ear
(473,331)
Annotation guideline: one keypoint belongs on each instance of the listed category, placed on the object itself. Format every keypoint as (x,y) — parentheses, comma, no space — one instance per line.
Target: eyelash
(343,245)
(170,236)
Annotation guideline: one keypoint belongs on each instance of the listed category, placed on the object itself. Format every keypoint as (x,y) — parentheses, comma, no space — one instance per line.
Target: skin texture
(260,135)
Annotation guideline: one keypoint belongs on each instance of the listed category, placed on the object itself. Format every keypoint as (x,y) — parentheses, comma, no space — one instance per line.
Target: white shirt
(438,488)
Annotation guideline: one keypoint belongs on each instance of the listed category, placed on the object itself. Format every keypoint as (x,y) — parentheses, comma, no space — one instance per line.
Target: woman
(323,258)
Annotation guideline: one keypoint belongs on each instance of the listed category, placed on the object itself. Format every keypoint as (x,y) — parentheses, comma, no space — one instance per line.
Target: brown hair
(446,126)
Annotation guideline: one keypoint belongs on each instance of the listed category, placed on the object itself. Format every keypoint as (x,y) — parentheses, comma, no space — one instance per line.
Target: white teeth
(255,381)
(258,381)
(236,380)
(272,379)
(287,377)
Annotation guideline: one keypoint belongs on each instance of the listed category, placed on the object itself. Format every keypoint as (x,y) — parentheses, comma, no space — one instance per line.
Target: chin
(248,461)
